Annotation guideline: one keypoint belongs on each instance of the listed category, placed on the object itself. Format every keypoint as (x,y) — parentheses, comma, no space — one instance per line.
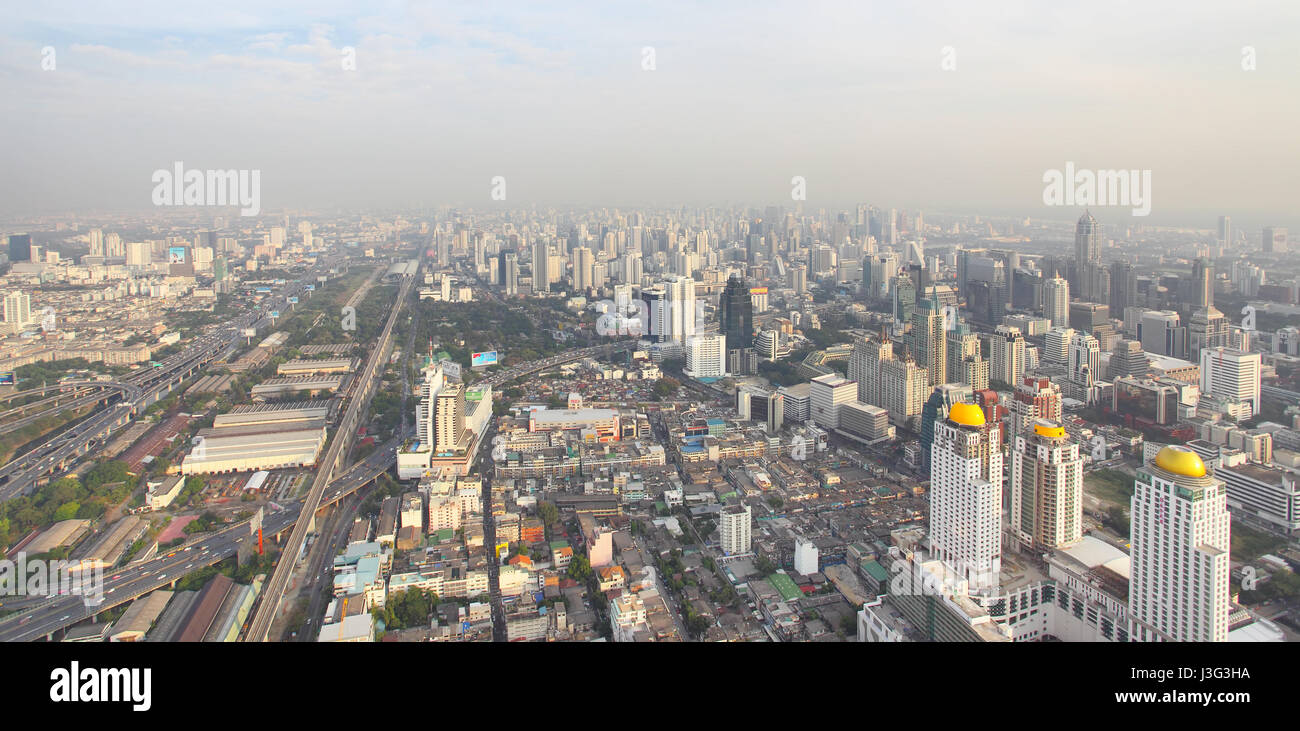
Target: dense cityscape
(771,424)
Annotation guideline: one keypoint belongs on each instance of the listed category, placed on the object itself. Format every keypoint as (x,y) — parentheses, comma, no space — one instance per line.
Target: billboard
(485,358)
(451,369)
(293,300)
(275,314)
(758,290)
(310,288)
(176,255)
(7,378)
(250,332)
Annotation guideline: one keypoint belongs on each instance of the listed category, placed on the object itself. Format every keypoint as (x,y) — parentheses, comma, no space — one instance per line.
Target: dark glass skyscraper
(20,247)
(737,311)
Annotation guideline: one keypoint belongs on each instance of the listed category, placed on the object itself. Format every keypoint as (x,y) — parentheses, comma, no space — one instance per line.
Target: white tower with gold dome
(966,496)
(1181,535)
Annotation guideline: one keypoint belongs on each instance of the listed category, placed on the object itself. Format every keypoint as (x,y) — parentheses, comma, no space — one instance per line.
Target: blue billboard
(275,314)
(176,255)
(293,300)
(7,378)
(310,287)
(485,358)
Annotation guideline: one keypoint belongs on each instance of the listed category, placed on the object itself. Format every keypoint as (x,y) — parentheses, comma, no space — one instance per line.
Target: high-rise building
(864,367)
(1225,231)
(1274,240)
(966,496)
(736,310)
(826,394)
(1007,355)
(904,386)
(681,305)
(1123,286)
(734,530)
(1034,399)
(541,266)
(1232,375)
(20,247)
(1056,345)
(1056,301)
(1085,365)
(510,272)
(448,418)
(17,311)
(1202,292)
(1209,329)
(962,344)
(1128,361)
(582,265)
(1046,487)
(706,356)
(1181,537)
(929,342)
(96,242)
(1162,333)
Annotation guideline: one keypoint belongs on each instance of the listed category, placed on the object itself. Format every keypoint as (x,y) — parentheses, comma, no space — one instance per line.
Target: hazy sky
(744,96)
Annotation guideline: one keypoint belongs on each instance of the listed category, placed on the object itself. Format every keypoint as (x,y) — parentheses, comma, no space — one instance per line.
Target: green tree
(67,511)
(548,513)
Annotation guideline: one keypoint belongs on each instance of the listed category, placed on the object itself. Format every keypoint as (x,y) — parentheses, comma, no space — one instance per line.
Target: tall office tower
(1056,345)
(799,278)
(442,242)
(904,290)
(20,247)
(1085,365)
(736,310)
(113,247)
(1232,375)
(1007,355)
(1225,231)
(1034,398)
(681,306)
(1046,487)
(449,418)
(541,266)
(304,229)
(277,237)
(1275,240)
(734,529)
(17,311)
(1128,361)
(864,367)
(582,268)
(510,269)
(1161,332)
(966,496)
(1027,290)
(904,386)
(936,409)
(706,356)
(884,267)
(630,267)
(1123,286)
(1056,301)
(96,242)
(480,254)
(1209,329)
(1181,537)
(1088,316)
(1202,294)
(1087,240)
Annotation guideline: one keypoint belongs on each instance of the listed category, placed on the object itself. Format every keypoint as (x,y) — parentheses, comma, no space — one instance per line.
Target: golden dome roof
(966,414)
(1180,461)
(1044,428)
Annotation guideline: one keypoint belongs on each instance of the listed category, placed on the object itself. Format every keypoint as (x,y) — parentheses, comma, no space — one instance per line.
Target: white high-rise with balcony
(1231,374)
(966,496)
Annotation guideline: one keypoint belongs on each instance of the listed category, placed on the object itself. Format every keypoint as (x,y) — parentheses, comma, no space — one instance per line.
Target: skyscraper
(736,309)
(966,496)
(1123,287)
(734,529)
(1046,487)
(1087,240)
(1085,365)
(706,356)
(541,266)
(582,268)
(449,418)
(1007,356)
(1181,537)
(1202,293)
(20,247)
(1056,301)
(1225,231)
(1209,329)
(936,409)
(928,341)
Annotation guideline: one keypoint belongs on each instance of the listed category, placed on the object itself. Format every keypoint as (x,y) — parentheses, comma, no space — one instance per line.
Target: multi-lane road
(137,579)
(141,389)
(268,605)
